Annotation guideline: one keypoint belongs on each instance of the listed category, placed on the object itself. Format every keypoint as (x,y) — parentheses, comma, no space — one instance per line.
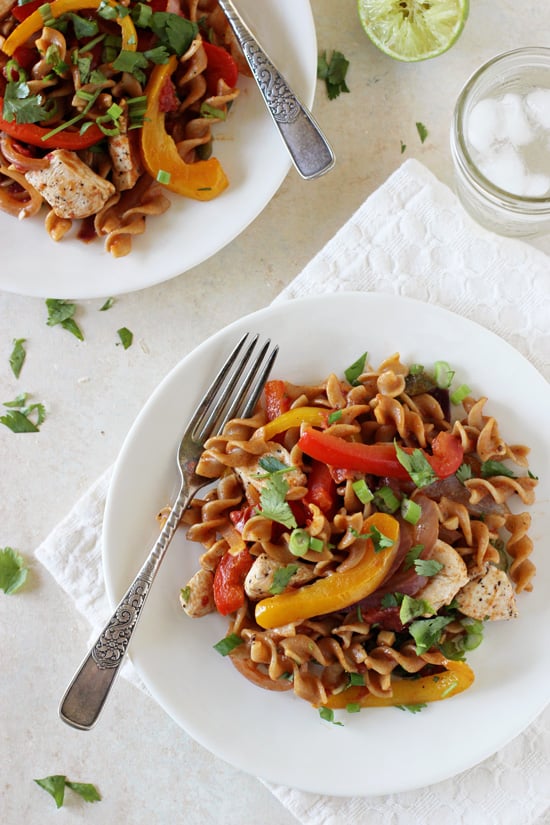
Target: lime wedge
(411,30)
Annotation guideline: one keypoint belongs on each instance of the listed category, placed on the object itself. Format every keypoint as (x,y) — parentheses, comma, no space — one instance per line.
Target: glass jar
(500,143)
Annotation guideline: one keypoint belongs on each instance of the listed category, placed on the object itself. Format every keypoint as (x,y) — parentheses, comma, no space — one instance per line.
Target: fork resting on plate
(234,391)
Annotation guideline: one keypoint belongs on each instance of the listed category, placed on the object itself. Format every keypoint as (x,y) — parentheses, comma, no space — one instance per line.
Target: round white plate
(275,735)
(250,150)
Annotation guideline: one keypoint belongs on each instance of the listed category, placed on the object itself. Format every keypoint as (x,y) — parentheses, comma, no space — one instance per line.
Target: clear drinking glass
(500,143)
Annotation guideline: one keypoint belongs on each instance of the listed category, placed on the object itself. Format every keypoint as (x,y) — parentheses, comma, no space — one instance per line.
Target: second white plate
(249,149)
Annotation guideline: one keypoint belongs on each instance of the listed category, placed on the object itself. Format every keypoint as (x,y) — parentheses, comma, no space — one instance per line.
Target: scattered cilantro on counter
(403,147)
(61,312)
(13,570)
(17,356)
(126,337)
(55,785)
(19,418)
(422,131)
(333,72)
(107,305)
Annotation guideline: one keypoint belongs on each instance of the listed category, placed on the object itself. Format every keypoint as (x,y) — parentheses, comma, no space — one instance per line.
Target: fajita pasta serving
(106,106)
(360,534)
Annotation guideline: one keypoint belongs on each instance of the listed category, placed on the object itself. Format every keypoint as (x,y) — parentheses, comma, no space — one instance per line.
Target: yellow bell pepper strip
(203,180)
(457,677)
(339,590)
(316,416)
(35,22)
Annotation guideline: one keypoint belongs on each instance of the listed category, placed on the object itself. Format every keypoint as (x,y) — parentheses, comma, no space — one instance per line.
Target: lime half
(411,30)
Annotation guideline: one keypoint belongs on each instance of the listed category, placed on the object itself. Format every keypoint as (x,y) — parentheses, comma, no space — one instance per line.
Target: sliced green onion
(356,679)
(163,177)
(460,394)
(298,543)
(229,643)
(353,707)
(443,374)
(416,369)
(361,490)
(316,544)
(386,500)
(410,510)
(335,416)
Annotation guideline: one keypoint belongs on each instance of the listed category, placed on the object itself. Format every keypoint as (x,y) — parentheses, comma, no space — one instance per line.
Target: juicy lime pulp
(410,30)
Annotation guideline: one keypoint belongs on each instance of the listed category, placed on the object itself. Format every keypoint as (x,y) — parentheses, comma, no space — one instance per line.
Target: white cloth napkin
(411,237)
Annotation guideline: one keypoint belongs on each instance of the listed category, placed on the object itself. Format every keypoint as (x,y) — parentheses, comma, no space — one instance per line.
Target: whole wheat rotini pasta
(108,106)
(359,534)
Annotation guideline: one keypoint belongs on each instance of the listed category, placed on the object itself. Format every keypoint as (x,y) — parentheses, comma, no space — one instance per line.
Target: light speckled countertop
(149,770)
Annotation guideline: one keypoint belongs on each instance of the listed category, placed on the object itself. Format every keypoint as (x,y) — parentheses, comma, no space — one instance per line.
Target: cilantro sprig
(22,417)
(273,504)
(13,570)
(55,785)
(333,71)
(61,312)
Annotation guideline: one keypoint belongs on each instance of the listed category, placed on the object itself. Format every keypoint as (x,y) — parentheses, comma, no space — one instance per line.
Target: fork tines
(236,388)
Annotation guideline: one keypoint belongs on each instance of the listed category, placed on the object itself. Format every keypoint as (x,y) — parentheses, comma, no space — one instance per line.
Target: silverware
(308,147)
(234,391)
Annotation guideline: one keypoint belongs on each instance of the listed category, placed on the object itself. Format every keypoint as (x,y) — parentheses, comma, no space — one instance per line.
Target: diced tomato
(221,66)
(321,488)
(276,399)
(240,517)
(229,581)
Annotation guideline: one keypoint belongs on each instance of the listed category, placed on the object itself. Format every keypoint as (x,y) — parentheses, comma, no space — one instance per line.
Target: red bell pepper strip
(276,400)
(379,459)
(229,581)
(35,135)
(321,488)
(221,66)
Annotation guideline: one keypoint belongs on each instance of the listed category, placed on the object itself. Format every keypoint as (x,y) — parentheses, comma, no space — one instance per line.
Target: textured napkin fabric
(411,238)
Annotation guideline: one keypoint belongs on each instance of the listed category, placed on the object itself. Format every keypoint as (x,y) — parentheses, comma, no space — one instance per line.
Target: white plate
(251,152)
(275,735)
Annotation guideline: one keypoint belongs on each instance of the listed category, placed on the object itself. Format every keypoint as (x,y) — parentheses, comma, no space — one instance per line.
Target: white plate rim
(501,722)
(252,154)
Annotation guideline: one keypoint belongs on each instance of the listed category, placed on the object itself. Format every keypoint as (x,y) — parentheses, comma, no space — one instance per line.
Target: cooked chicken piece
(69,186)
(488,596)
(197,598)
(253,475)
(446,583)
(260,577)
(126,161)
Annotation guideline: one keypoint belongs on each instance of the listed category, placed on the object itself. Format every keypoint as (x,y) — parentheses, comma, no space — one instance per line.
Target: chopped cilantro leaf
(173,31)
(427,567)
(328,715)
(13,571)
(333,71)
(464,472)
(422,132)
(495,468)
(55,785)
(391,599)
(427,632)
(22,106)
(417,466)
(18,418)
(271,464)
(107,305)
(403,147)
(17,356)
(272,501)
(281,578)
(412,555)
(61,312)
(412,608)
(126,337)
(379,540)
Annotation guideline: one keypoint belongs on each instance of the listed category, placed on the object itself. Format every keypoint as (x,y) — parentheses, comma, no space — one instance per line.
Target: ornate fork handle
(308,147)
(87,692)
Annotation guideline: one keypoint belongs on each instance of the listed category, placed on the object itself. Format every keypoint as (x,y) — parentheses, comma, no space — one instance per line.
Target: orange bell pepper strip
(457,677)
(339,590)
(35,22)
(316,416)
(203,180)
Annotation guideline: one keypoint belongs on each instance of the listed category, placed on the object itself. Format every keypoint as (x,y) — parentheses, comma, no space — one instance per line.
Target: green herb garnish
(328,715)
(126,337)
(495,468)
(281,578)
(413,708)
(354,370)
(333,71)
(61,312)
(55,785)
(227,644)
(13,570)
(412,608)
(427,632)
(422,131)
(17,356)
(417,466)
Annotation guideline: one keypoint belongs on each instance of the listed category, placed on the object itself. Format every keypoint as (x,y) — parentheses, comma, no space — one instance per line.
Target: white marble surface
(147,769)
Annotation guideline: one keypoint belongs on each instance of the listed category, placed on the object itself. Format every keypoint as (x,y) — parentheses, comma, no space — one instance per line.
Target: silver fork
(308,147)
(234,391)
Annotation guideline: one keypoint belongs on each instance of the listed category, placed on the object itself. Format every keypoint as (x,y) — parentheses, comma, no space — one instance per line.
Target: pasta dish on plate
(107,106)
(360,532)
